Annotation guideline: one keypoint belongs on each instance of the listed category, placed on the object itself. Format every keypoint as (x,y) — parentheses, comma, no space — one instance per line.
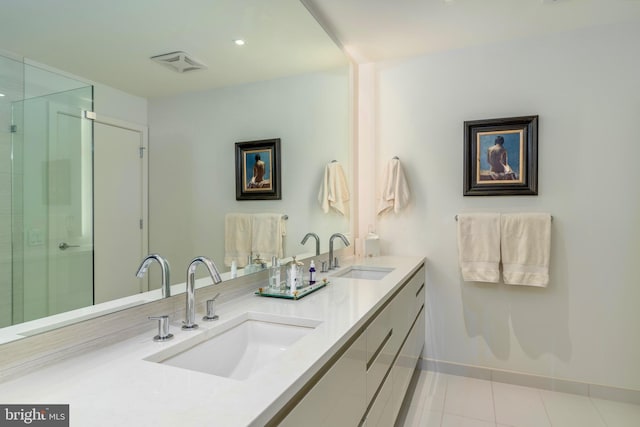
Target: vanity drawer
(406,306)
(379,364)
(405,364)
(380,413)
(380,350)
(377,332)
(338,398)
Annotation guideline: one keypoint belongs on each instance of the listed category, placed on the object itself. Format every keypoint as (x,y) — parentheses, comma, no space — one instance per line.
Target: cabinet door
(338,399)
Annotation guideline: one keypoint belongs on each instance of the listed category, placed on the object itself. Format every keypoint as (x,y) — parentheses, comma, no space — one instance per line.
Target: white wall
(192,161)
(585,88)
(120,105)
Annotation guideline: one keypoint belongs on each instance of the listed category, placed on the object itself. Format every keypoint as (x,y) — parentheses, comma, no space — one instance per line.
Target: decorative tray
(297,294)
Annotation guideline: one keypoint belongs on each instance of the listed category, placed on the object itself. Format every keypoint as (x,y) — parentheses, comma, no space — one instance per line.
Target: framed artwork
(258,170)
(501,157)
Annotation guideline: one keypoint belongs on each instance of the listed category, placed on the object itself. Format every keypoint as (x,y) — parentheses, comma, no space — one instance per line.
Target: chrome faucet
(333,264)
(190,314)
(164,266)
(315,236)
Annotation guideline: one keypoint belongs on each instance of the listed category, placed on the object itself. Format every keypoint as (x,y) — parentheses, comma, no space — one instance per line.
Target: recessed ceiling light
(239,42)
(1,94)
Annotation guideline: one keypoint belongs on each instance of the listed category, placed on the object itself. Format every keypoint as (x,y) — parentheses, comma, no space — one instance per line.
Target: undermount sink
(239,348)
(364,272)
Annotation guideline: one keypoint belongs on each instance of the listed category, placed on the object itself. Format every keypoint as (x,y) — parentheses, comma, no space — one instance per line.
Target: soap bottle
(300,275)
(312,273)
(274,274)
(294,275)
(234,269)
(249,268)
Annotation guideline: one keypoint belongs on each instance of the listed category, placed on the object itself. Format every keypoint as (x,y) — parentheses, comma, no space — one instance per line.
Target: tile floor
(441,400)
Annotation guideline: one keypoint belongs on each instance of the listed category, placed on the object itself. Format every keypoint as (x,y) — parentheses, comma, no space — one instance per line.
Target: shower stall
(46,192)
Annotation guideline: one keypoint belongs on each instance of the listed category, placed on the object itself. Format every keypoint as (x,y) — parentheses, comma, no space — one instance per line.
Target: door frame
(144,146)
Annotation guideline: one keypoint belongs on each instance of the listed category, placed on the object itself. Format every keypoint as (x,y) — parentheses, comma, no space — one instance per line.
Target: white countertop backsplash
(114,385)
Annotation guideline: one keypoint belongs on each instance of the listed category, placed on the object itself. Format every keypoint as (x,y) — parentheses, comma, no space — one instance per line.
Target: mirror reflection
(85,200)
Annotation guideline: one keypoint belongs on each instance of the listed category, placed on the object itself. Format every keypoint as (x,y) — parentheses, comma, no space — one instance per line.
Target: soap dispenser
(294,275)
(274,273)
(312,273)
(249,268)
(371,243)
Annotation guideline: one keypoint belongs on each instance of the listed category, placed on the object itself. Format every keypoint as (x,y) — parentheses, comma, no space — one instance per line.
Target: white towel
(395,194)
(479,247)
(237,238)
(267,235)
(526,246)
(334,191)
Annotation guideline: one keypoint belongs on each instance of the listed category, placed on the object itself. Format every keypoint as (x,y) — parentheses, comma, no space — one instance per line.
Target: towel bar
(457,217)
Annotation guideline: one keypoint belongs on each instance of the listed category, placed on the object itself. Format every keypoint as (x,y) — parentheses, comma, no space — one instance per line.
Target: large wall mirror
(84,198)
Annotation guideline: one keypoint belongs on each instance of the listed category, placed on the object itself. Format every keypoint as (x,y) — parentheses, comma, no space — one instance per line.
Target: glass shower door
(55,153)
(68,172)
(46,198)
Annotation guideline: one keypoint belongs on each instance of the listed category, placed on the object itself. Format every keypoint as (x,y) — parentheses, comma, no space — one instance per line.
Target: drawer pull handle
(421,288)
(379,349)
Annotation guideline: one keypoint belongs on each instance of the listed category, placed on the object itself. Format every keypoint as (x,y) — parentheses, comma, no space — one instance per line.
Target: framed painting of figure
(501,157)
(258,170)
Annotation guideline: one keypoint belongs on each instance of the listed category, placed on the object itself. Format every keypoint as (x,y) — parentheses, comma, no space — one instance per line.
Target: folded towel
(479,247)
(267,235)
(526,246)
(237,238)
(395,190)
(334,191)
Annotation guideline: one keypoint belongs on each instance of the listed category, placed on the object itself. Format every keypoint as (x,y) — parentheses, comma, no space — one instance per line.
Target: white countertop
(116,386)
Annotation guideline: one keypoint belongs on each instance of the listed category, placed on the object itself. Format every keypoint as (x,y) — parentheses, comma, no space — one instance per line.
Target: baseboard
(528,380)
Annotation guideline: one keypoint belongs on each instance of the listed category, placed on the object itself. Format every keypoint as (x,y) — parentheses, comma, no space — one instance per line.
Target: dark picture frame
(501,157)
(258,170)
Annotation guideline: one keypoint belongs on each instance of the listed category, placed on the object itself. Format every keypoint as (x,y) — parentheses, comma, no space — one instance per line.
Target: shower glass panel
(11,89)
(51,196)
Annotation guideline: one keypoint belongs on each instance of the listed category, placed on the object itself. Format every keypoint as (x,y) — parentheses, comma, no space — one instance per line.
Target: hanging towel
(526,246)
(334,192)
(479,247)
(237,238)
(395,190)
(267,235)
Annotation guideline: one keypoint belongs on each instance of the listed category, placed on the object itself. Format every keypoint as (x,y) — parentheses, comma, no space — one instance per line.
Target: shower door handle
(64,245)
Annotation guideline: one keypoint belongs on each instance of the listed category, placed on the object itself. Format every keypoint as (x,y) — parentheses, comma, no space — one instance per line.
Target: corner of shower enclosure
(45,192)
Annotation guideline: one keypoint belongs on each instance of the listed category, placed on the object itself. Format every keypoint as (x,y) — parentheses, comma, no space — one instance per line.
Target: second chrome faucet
(334,263)
(190,313)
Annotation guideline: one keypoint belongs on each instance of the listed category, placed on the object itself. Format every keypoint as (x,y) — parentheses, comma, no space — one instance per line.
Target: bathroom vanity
(343,355)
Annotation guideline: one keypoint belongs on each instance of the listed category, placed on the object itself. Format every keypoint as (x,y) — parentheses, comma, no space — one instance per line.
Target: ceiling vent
(179,61)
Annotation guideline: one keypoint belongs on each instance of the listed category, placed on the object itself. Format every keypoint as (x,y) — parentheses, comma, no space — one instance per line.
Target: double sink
(242,346)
